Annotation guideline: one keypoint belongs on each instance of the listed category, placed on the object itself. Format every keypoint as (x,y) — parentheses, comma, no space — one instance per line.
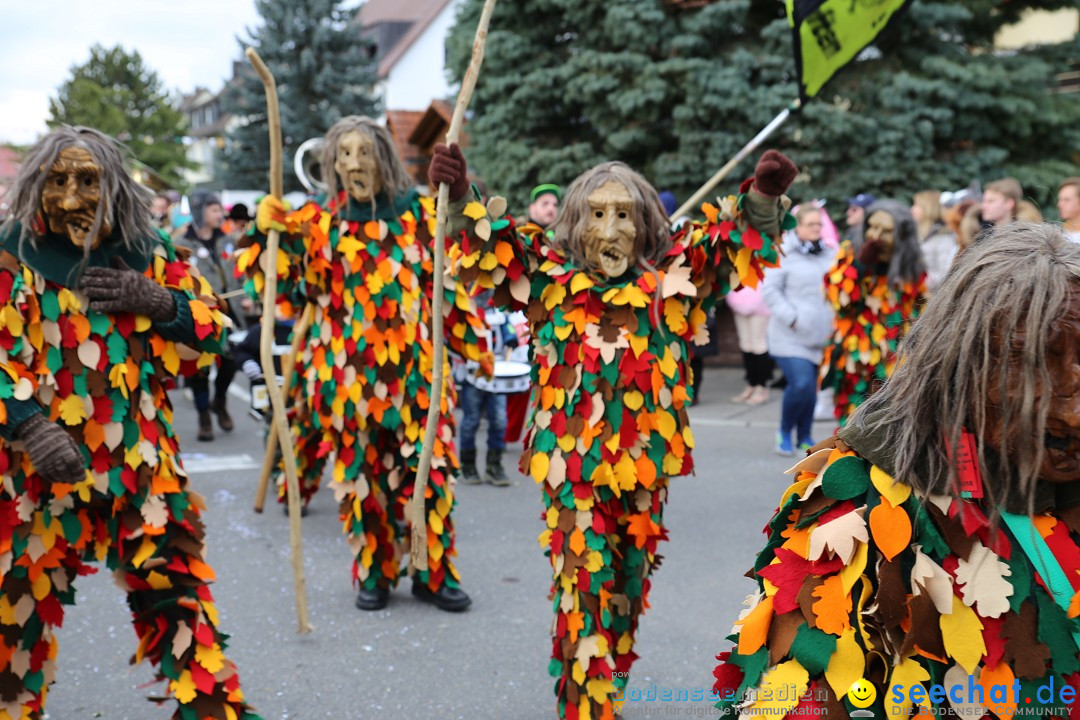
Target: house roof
(420,12)
(432,124)
(401,124)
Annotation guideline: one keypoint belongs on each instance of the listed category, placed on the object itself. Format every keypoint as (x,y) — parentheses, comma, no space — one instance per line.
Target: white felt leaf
(677,280)
(982,576)
(929,577)
(839,536)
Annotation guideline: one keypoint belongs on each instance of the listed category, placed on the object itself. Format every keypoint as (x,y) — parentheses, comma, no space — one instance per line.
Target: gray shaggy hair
(124,203)
(653,237)
(393,176)
(907,263)
(987,324)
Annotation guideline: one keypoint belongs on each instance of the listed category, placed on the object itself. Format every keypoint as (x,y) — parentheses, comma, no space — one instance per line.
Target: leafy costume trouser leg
(375,511)
(167,584)
(602,558)
(312,445)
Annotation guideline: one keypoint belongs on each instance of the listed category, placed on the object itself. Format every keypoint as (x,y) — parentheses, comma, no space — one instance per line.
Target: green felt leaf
(927,535)
(1020,579)
(813,648)
(1055,631)
(846,478)
(752,666)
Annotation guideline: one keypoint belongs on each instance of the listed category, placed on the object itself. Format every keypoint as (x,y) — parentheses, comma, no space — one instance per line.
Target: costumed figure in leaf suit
(936,541)
(361,256)
(98,317)
(614,300)
(876,290)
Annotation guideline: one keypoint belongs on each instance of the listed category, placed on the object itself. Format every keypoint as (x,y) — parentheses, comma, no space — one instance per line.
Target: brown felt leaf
(782,633)
(890,595)
(952,530)
(806,599)
(1023,651)
(925,631)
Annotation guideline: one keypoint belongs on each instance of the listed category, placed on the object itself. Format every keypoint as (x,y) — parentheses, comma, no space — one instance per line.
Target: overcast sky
(187,42)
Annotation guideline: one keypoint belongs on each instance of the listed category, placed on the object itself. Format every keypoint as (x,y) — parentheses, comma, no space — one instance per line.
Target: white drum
(510,377)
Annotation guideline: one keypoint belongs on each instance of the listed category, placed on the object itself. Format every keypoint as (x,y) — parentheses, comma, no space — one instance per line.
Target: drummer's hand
(487,365)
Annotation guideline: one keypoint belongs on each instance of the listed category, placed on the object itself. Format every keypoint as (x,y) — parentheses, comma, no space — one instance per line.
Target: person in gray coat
(800,326)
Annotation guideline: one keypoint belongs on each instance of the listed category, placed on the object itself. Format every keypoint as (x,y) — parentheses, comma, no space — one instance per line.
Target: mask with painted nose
(71,196)
(610,235)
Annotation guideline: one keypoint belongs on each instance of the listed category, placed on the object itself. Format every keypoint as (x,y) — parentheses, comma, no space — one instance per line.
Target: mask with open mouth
(610,232)
(71,197)
(357,167)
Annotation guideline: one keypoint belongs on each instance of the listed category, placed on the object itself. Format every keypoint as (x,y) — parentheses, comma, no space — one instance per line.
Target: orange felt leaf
(577,541)
(755,627)
(504,253)
(646,470)
(891,528)
(642,527)
(834,606)
(93,434)
(200,569)
(200,312)
(1001,675)
(575,622)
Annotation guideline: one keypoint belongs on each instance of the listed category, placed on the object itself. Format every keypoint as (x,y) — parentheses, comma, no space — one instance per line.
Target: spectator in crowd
(938,242)
(800,325)
(205,241)
(751,326)
(856,217)
(1069,207)
(159,209)
(544,204)
(999,202)
(1028,212)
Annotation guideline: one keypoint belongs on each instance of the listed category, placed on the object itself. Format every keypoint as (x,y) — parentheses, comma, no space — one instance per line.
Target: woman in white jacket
(800,325)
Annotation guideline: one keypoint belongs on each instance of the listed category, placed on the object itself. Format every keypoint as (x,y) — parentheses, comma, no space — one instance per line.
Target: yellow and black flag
(830,33)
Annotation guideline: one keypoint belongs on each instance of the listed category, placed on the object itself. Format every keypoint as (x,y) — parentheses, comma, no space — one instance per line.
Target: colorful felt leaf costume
(364,371)
(103,378)
(872,318)
(609,423)
(863,577)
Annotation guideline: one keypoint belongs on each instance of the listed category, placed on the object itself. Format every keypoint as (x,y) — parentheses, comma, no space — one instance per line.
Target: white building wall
(420,75)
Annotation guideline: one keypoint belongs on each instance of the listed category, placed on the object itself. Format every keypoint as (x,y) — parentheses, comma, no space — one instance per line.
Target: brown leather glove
(870,254)
(448,166)
(774,173)
(52,451)
(121,289)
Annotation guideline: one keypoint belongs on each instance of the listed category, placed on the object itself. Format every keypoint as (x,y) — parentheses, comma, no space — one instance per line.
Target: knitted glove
(270,215)
(448,166)
(774,173)
(121,289)
(53,453)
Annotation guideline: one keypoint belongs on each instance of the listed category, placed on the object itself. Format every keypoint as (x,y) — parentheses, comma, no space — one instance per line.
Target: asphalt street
(412,660)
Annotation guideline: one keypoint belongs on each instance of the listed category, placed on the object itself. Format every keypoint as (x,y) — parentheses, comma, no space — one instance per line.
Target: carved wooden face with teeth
(1061,443)
(71,197)
(608,240)
(356,166)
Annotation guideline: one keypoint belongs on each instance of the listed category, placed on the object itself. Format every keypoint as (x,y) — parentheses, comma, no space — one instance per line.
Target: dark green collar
(58,260)
(361,212)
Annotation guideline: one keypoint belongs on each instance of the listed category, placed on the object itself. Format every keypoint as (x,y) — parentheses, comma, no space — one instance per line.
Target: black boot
(223,418)
(206,426)
(447,598)
(493,471)
(374,599)
(469,475)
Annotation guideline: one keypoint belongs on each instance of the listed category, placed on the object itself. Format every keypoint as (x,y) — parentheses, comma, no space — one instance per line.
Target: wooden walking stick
(418,546)
(266,347)
(287,366)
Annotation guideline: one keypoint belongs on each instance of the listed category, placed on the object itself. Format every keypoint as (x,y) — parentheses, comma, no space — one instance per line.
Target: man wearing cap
(210,249)
(856,216)
(544,204)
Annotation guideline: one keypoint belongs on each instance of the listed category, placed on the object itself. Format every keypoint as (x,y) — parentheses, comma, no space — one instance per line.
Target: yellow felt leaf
(784,685)
(210,658)
(633,400)
(847,663)
(474,211)
(158,581)
(145,551)
(184,689)
(896,493)
(553,295)
(755,627)
(891,528)
(538,466)
(72,411)
(851,572)
(961,631)
(906,675)
(580,282)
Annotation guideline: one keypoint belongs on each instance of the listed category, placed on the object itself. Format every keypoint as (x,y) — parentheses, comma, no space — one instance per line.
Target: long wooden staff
(691,205)
(418,546)
(266,347)
(287,365)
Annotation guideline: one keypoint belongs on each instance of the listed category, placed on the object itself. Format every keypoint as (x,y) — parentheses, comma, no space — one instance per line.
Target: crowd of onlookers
(791,320)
